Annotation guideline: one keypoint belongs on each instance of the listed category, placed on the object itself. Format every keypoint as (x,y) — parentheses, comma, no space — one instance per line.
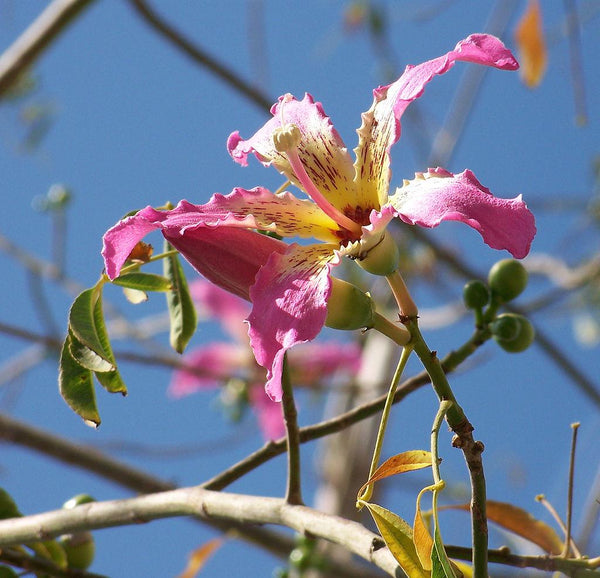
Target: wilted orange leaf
(397,535)
(141,253)
(404,462)
(529,37)
(421,536)
(522,523)
(199,557)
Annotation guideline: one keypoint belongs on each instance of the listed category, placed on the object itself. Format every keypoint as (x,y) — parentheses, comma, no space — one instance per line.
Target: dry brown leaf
(529,37)
(199,556)
(521,523)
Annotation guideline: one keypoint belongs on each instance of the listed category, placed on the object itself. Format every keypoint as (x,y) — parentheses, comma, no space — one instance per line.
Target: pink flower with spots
(217,363)
(348,207)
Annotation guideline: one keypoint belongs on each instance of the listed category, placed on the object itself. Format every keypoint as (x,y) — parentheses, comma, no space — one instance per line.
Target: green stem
(464,440)
(368,492)
(290,416)
(397,333)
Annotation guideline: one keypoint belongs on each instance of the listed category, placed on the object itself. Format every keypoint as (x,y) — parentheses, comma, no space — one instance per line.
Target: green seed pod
(80,549)
(77,501)
(476,295)
(383,258)
(348,307)
(513,332)
(507,280)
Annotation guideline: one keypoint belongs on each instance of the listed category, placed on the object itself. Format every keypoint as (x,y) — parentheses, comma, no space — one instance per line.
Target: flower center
(286,139)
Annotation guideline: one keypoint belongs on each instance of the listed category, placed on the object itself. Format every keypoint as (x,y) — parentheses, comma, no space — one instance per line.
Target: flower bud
(507,280)
(383,258)
(348,307)
(513,332)
(476,295)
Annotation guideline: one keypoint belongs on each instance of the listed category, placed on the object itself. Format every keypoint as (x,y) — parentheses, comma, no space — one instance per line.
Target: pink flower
(348,209)
(218,363)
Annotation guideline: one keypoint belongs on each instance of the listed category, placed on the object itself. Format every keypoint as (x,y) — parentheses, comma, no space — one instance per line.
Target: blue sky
(135,123)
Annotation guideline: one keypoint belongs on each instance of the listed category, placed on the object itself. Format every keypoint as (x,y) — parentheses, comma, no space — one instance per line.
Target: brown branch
(200,56)
(36,38)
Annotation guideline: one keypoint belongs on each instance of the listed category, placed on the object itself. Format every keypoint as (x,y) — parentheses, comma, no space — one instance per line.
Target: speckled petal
(381,124)
(321,149)
(289,305)
(439,196)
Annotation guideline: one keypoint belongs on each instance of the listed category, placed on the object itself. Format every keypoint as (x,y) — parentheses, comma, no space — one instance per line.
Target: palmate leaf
(77,386)
(398,537)
(182,313)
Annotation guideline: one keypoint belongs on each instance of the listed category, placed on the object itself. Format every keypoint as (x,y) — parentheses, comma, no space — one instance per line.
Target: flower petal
(289,305)
(226,256)
(321,149)
(438,196)
(229,309)
(208,366)
(381,124)
(268,413)
(312,363)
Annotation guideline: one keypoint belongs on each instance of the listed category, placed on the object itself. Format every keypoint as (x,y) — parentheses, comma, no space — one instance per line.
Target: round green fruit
(507,279)
(513,332)
(476,295)
(80,549)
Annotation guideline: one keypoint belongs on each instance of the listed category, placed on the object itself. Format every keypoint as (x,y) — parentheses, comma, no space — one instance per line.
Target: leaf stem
(368,492)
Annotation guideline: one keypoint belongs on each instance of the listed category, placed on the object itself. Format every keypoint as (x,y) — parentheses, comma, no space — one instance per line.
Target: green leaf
(182,312)
(6,572)
(398,536)
(50,550)
(143,282)
(77,387)
(110,380)
(88,358)
(134,296)
(8,508)
(82,324)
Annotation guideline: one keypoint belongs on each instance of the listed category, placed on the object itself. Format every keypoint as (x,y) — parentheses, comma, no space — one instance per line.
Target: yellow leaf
(398,536)
(421,536)
(521,523)
(399,464)
(199,557)
(529,37)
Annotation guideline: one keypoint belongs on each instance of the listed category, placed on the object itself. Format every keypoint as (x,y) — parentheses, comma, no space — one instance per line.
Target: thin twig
(293,493)
(200,56)
(569,517)
(36,38)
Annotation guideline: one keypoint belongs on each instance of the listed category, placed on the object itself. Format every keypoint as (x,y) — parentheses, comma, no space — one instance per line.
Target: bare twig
(200,56)
(37,37)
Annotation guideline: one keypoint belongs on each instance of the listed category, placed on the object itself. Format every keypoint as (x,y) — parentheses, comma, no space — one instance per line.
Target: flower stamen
(286,140)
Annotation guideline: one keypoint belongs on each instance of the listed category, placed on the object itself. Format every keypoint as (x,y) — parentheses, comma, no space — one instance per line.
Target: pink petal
(268,413)
(216,244)
(289,306)
(381,124)
(321,150)
(312,363)
(439,196)
(214,363)
(229,309)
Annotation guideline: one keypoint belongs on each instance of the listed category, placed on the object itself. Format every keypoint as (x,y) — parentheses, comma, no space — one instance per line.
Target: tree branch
(200,56)
(38,36)
(206,505)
